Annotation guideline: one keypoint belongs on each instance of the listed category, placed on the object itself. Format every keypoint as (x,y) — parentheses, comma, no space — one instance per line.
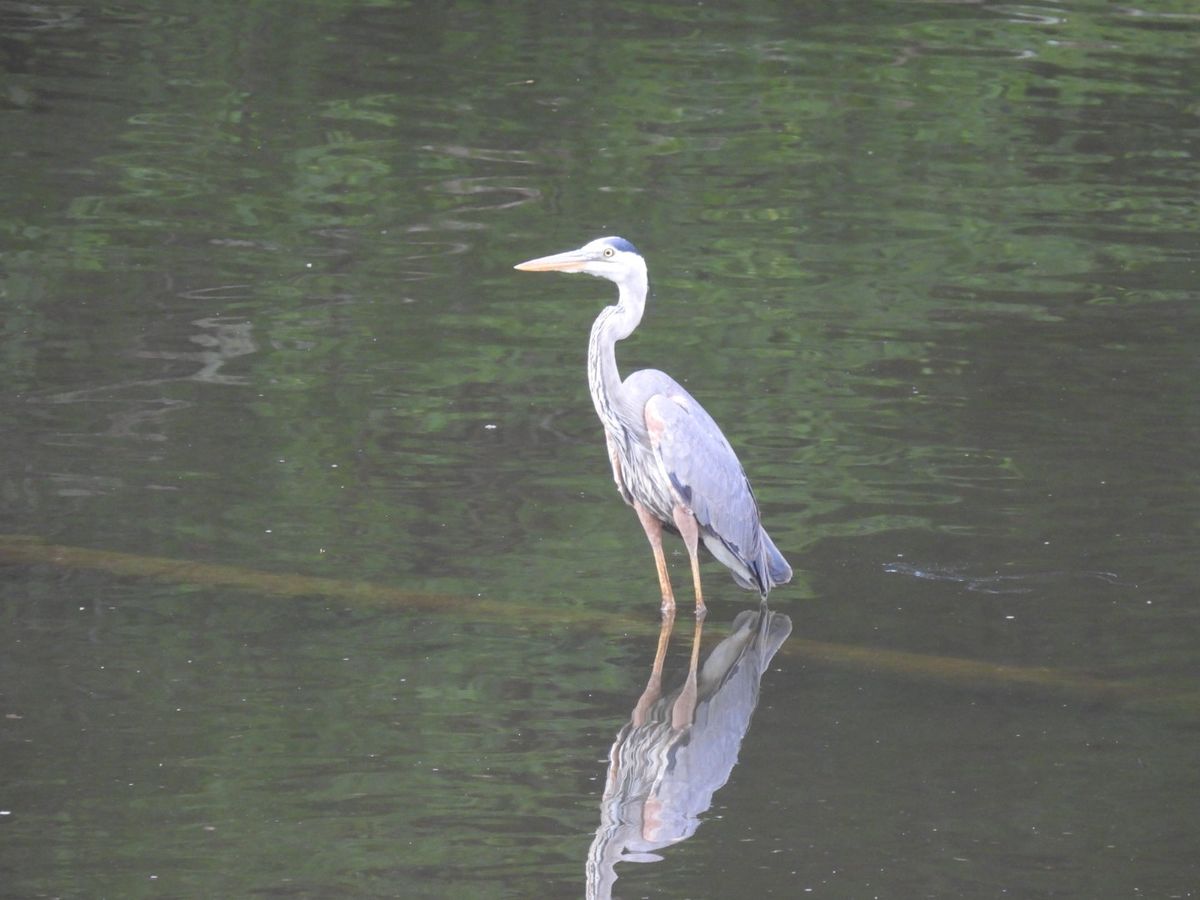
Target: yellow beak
(571,261)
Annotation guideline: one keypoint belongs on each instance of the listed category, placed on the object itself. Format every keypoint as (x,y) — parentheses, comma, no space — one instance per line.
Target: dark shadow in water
(678,749)
(973,673)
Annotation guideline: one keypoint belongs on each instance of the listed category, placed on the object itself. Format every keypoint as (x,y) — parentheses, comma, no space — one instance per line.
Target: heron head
(613,258)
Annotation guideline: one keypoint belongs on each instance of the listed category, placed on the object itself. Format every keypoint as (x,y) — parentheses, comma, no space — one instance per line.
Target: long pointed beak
(571,261)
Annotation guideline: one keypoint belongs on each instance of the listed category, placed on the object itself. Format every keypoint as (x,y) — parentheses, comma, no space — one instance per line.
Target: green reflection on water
(932,266)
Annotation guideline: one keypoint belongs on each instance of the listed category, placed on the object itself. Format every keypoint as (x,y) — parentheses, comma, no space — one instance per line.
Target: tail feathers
(770,569)
(761,574)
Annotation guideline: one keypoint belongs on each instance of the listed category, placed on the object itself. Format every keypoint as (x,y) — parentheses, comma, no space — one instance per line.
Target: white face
(605,260)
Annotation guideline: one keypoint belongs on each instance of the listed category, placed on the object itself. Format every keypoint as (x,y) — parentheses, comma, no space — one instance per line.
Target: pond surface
(314,581)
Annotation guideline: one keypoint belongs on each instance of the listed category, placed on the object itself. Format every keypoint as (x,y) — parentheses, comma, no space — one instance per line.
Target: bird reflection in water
(679,748)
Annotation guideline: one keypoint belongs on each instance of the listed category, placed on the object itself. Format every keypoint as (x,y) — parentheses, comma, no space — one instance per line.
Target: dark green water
(933,267)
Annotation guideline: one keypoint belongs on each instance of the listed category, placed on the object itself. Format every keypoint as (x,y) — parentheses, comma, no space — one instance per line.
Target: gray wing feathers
(705,472)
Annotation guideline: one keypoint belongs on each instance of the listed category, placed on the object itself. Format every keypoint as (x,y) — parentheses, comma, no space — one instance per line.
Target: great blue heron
(669,459)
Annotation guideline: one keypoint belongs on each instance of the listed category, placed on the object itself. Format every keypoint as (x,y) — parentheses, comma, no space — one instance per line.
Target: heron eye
(608,252)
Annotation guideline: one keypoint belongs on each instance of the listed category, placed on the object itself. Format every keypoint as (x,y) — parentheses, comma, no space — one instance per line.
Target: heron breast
(642,478)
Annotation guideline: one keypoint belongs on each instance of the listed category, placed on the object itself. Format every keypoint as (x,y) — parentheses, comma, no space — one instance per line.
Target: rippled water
(315,581)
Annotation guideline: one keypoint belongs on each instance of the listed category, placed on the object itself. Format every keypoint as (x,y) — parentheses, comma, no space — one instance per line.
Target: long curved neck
(615,323)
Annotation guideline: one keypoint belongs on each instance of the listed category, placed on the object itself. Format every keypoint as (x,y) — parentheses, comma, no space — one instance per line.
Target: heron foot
(668,607)
(701,611)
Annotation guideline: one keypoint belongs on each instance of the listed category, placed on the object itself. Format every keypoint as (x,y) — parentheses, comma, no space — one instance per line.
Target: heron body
(670,461)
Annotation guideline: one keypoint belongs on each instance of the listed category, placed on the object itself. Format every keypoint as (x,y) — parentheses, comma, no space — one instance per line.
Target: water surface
(933,268)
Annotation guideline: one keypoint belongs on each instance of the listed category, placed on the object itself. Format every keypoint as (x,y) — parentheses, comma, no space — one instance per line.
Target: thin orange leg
(653,528)
(689,530)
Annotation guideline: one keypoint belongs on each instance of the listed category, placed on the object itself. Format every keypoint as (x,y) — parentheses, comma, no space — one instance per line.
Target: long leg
(653,528)
(690,532)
